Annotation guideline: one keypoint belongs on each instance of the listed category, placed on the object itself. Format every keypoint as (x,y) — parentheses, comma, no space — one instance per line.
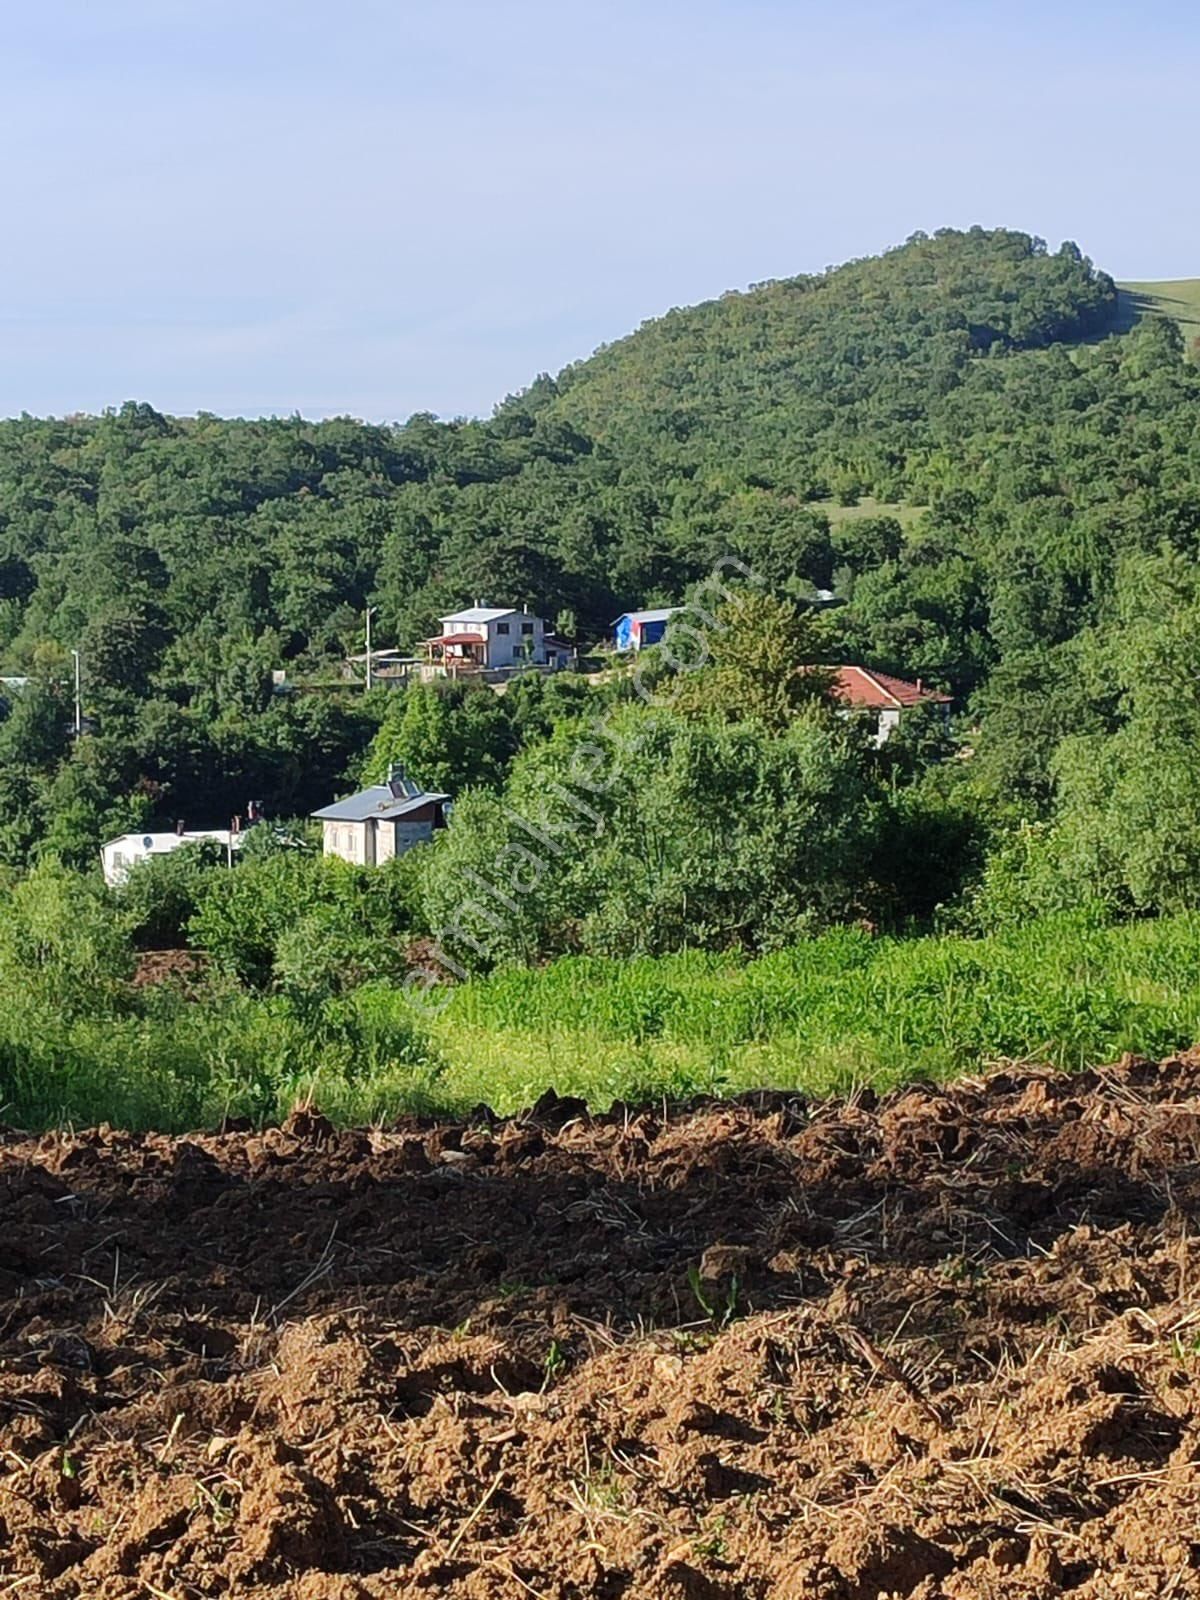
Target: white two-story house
(494,639)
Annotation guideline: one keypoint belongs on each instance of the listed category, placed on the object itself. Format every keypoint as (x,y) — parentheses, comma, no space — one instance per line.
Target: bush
(241,915)
(60,945)
(162,893)
(314,924)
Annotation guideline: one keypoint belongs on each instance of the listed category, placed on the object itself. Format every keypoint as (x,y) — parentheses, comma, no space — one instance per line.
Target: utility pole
(371,610)
(78,697)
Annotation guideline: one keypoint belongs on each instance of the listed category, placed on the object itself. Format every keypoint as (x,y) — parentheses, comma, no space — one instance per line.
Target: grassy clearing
(820,1017)
(1178,298)
(867,506)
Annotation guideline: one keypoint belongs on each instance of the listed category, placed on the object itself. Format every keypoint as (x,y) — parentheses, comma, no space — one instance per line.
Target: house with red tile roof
(864,689)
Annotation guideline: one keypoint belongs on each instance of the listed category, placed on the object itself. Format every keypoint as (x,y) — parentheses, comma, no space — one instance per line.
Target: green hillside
(1177,298)
(825,377)
(992,463)
(943,436)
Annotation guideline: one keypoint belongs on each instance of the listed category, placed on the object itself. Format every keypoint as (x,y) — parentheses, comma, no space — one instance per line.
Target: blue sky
(383,206)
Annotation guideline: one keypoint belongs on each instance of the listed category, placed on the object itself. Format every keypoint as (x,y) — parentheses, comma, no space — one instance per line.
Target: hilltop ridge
(799,374)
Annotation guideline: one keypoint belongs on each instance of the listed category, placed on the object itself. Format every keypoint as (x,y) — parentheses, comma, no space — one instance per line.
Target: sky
(380,207)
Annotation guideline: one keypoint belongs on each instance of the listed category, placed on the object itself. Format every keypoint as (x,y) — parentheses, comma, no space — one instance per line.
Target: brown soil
(947,1345)
(185,967)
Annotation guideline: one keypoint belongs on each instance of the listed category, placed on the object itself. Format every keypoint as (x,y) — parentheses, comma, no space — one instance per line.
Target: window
(502,627)
(527,628)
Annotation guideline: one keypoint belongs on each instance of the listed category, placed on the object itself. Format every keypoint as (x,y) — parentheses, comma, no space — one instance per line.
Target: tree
(778,537)
(863,543)
(1127,815)
(763,656)
(448,737)
(672,833)
(91,799)
(122,646)
(35,733)
(17,580)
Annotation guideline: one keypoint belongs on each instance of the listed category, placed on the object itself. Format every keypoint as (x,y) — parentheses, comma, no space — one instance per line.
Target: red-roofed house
(863,689)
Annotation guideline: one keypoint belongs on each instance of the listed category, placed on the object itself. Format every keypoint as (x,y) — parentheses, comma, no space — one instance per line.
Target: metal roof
(480,614)
(158,842)
(659,614)
(377,801)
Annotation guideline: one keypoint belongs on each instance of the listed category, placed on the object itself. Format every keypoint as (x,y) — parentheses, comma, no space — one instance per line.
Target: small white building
(119,856)
(381,822)
(494,639)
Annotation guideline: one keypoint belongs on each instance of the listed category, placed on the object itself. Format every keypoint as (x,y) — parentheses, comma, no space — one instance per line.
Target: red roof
(861,687)
(457,638)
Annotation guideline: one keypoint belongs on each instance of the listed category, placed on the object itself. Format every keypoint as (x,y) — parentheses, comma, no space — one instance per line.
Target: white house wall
(505,649)
(347,840)
(118,859)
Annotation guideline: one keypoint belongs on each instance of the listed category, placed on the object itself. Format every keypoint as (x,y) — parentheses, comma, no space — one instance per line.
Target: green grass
(840,1010)
(820,1017)
(867,506)
(1178,298)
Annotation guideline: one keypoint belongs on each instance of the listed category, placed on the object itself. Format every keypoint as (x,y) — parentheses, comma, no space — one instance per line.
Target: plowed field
(943,1345)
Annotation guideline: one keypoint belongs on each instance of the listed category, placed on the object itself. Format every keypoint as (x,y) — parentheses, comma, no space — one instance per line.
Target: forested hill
(964,438)
(822,383)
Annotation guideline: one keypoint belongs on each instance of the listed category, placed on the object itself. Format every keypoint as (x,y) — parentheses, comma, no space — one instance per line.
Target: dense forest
(998,482)
(724,427)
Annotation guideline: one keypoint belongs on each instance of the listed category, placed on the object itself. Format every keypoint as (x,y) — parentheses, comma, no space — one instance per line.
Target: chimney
(179,828)
(919,686)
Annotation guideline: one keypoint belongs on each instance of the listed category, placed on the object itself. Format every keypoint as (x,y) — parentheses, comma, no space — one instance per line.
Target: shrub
(60,945)
(162,893)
